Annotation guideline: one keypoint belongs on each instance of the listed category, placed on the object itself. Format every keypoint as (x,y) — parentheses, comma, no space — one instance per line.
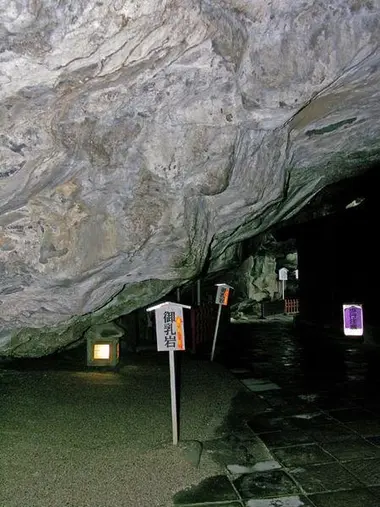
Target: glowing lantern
(103,347)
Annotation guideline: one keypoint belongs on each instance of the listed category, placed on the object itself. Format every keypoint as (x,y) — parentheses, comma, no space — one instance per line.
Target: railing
(292,305)
(202,323)
(203,320)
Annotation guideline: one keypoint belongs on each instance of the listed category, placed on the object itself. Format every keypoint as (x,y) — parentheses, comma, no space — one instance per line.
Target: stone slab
(213,489)
(366,471)
(375,440)
(267,423)
(308,420)
(350,498)
(335,432)
(306,454)
(352,449)
(285,438)
(261,466)
(191,451)
(366,428)
(351,414)
(327,477)
(240,371)
(335,403)
(265,485)
(283,501)
(260,385)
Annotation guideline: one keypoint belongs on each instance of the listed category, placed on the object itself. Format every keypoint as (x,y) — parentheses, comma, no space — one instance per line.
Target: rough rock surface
(257,278)
(138,138)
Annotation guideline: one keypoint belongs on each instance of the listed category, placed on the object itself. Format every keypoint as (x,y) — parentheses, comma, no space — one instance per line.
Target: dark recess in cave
(337,253)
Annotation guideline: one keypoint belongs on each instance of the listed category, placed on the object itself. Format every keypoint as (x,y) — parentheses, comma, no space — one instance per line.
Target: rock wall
(257,278)
(139,140)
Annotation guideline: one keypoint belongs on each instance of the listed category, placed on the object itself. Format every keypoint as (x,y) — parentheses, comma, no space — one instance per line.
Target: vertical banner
(353,320)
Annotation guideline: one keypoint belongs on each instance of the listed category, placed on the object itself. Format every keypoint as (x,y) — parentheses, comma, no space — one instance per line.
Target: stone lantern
(103,348)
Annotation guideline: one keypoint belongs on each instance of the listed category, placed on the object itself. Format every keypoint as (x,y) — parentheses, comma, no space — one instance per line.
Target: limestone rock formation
(254,282)
(258,278)
(140,139)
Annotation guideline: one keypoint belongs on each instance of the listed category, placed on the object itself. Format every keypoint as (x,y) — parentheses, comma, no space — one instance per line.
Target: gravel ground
(103,439)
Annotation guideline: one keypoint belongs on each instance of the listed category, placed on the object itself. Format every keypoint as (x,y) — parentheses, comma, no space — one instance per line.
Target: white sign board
(353,320)
(283,274)
(169,328)
(222,294)
(296,274)
(170,337)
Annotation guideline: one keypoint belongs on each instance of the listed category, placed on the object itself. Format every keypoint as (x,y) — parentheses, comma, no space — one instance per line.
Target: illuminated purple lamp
(353,320)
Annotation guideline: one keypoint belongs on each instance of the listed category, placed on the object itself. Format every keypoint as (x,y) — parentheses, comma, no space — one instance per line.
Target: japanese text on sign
(222,295)
(353,320)
(170,331)
(169,326)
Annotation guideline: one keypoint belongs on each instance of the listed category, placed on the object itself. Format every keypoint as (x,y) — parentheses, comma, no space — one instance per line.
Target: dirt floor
(70,437)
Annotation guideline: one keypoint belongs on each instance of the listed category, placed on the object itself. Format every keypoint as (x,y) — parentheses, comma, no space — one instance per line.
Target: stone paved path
(306,430)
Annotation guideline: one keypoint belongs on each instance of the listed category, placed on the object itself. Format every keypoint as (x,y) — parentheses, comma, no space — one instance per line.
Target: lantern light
(102,351)
(103,348)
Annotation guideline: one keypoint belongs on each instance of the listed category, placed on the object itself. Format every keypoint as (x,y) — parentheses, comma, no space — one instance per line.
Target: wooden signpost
(222,296)
(283,276)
